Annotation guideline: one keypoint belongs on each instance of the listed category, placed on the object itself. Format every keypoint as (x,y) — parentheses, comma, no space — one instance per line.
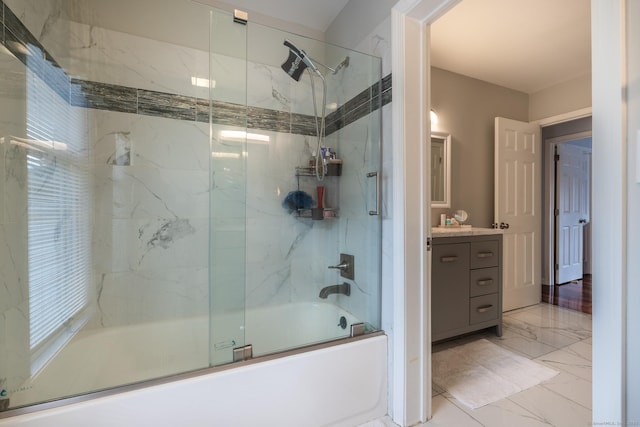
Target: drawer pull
(484,254)
(484,308)
(448,258)
(485,282)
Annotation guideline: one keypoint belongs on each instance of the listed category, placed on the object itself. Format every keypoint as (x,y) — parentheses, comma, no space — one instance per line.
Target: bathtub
(337,383)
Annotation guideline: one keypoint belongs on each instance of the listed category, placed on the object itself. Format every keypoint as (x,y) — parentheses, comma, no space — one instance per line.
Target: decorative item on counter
(449,222)
(461,216)
(297,200)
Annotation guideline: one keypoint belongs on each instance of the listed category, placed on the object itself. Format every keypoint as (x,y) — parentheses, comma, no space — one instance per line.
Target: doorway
(610,371)
(567,224)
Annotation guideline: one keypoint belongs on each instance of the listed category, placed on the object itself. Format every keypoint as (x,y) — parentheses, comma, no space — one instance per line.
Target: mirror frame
(446,203)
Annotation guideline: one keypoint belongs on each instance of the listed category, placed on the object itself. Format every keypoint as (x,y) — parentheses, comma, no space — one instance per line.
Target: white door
(572,182)
(518,168)
(586,230)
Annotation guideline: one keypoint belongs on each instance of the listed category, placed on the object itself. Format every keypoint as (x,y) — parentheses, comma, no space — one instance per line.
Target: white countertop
(463,231)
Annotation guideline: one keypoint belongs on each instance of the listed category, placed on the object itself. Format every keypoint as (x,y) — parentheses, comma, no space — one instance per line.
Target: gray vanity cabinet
(466,285)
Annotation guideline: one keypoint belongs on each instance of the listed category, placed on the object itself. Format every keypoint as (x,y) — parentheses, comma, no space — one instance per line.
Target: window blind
(58,210)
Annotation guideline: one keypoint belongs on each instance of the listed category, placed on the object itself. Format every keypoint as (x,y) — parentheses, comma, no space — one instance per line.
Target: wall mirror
(440,170)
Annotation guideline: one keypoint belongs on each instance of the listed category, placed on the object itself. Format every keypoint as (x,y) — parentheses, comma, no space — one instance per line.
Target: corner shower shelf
(327,213)
(334,169)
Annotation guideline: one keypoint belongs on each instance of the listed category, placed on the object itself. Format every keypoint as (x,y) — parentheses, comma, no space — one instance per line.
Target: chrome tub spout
(344,289)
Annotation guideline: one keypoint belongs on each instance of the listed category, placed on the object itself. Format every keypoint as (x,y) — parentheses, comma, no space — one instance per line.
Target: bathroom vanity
(466,281)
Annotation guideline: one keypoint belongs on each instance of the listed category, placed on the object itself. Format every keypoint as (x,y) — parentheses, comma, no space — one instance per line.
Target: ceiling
(525,45)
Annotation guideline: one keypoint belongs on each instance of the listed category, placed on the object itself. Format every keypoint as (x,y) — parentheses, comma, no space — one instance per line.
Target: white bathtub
(341,385)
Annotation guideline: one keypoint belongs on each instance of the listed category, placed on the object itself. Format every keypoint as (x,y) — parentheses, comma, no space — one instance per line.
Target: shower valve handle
(343,266)
(346,266)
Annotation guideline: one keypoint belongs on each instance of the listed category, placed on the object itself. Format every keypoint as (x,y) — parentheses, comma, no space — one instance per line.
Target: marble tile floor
(555,336)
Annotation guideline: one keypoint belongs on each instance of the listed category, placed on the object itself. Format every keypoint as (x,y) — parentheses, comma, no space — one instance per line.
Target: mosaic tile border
(103,96)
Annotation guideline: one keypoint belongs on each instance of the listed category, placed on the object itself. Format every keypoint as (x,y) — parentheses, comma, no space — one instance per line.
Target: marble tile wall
(358,232)
(149,77)
(151,220)
(288,256)
(14,302)
(149,175)
(150,168)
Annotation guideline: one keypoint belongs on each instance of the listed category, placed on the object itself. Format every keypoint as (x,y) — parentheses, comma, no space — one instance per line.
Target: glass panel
(159,207)
(15,369)
(360,224)
(228,184)
(288,252)
(105,198)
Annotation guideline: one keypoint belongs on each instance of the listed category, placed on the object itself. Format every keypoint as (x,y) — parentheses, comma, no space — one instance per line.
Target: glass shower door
(300,219)
(228,99)
(281,103)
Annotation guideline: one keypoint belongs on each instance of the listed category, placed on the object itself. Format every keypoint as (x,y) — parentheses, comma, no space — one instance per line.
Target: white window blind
(58,212)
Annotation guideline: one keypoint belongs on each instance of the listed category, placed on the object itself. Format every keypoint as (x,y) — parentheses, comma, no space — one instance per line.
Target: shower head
(297,62)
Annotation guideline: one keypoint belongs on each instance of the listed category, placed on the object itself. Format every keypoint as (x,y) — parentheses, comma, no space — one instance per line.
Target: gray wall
(357,20)
(466,109)
(565,97)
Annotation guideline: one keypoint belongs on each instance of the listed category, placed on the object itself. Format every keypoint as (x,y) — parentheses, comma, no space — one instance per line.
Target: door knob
(582,221)
(504,226)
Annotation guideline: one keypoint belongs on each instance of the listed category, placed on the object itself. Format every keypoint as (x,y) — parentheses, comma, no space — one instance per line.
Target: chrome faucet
(344,288)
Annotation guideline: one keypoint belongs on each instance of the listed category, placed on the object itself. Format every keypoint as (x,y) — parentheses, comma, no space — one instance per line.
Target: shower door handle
(377,175)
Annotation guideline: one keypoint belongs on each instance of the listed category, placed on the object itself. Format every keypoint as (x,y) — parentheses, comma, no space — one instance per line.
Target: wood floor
(575,295)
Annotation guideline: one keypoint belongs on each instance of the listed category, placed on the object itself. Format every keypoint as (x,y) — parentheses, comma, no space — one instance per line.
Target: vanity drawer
(450,287)
(483,308)
(484,281)
(451,257)
(485,254)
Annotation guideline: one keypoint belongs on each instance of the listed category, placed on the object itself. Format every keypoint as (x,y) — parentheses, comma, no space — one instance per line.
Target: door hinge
(556,212)
(557,266)
(428,244)
(557,157)
(243,353)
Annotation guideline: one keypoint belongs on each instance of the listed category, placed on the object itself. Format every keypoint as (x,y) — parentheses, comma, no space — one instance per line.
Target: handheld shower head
(297,62)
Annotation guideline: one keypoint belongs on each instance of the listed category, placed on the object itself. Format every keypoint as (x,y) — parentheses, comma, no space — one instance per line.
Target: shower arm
(315,61)
(344,63)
